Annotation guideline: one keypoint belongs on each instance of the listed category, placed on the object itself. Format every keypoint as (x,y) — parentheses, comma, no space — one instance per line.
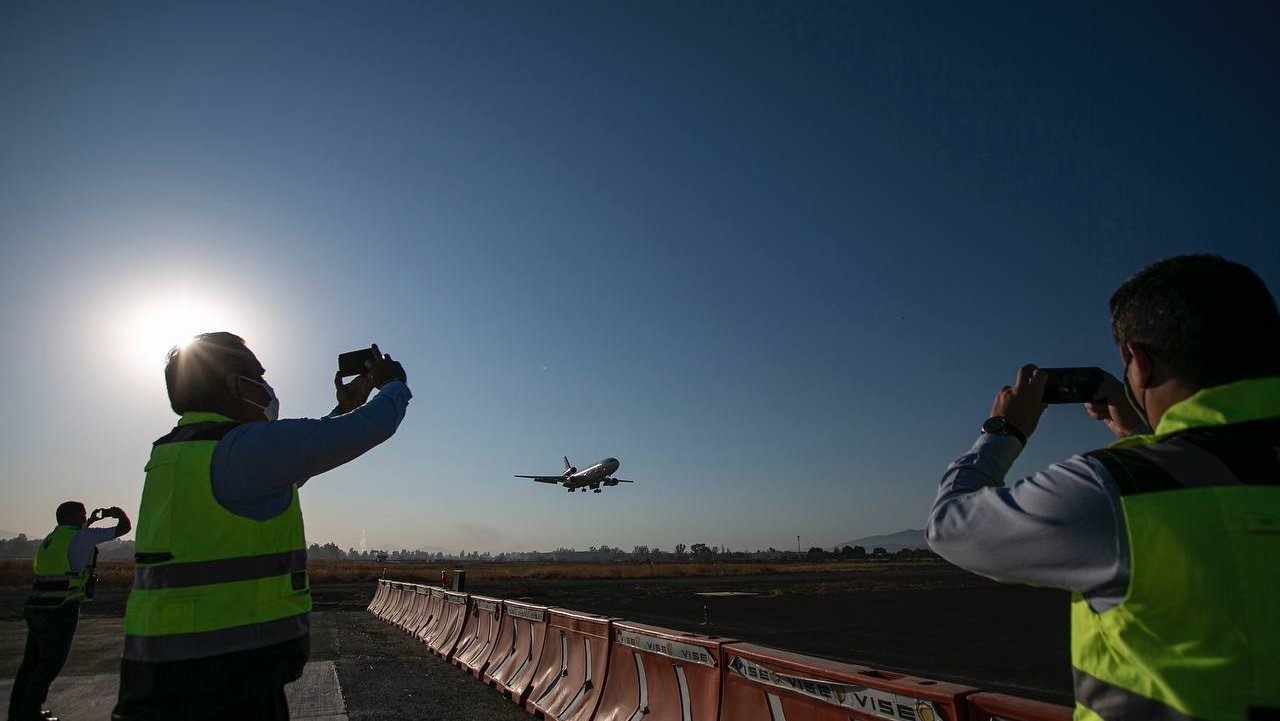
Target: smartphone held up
(1072,385)
(358,362)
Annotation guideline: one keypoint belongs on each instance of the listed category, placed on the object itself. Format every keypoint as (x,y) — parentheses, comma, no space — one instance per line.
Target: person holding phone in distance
(218,618)
(63,567)
(1167,541)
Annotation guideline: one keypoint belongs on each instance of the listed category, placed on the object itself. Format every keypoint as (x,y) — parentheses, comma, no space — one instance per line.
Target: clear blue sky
(776,258)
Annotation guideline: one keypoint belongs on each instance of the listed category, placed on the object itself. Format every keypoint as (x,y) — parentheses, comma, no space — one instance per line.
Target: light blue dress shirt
(255,465)
(1062,527)
(83,543)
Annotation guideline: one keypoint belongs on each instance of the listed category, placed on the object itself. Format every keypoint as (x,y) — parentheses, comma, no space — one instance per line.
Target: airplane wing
(622,480)
(544,479)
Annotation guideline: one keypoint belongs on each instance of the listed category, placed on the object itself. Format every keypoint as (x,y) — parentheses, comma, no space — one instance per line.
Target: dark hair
(1210,320)
(70,513)
(193,372)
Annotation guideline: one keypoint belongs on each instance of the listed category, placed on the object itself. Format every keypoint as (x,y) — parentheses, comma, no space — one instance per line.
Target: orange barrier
(435,602)
(479,635)
(661,675)
(453,615)
(388,594)
(379,596)
(518,650)
(763,684)
(417,609)
(405,607)
(998,707)
(575,662)
(398,602)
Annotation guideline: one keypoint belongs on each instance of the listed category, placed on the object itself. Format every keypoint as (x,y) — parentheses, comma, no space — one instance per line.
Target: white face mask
(272,409)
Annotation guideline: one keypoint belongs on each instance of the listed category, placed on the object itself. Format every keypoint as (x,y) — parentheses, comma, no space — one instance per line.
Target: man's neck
(1163,397)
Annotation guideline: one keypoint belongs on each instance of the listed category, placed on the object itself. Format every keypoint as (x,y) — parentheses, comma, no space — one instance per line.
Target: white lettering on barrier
(531,614)
(885,704)
(455,600)
(674,649)
(486,606)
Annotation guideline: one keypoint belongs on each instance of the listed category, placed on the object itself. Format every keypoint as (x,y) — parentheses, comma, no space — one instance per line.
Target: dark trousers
(245,685)
(49,635)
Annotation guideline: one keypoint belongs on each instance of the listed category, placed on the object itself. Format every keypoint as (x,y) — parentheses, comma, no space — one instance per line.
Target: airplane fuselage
(592,475)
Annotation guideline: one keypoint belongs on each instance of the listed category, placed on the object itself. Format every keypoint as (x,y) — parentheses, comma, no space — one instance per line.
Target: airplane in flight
(593,476)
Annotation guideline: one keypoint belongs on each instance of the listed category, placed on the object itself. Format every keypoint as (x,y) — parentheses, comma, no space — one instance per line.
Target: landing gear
(569,490)
(597,490)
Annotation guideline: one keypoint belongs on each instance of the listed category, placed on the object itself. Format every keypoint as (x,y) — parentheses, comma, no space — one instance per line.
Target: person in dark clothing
(218,620)
(63,564)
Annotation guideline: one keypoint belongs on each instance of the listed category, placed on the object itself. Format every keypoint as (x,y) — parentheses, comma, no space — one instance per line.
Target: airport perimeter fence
(564,665)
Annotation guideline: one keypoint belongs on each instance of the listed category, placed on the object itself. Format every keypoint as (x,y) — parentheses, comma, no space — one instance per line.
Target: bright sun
(158,326)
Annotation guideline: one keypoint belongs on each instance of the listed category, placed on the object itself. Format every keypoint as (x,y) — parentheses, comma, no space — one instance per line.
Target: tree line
(21,546)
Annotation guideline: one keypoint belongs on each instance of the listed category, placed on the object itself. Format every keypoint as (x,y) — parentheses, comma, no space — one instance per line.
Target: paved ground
(362,669)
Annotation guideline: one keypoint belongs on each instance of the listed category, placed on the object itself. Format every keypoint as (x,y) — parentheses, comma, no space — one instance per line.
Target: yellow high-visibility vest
(206,581)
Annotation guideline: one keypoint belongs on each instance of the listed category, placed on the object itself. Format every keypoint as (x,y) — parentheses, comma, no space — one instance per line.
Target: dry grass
(346,572)
(17,572)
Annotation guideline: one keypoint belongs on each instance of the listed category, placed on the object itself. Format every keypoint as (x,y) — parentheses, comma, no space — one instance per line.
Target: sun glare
(159,326)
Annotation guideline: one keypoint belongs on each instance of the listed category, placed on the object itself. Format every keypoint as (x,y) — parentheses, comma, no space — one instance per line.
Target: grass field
(17,572)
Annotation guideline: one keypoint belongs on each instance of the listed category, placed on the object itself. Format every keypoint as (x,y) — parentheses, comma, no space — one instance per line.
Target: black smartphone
(1072,385)
(352,364)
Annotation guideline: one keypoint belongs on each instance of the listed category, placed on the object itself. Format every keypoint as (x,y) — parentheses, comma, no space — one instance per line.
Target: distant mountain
(910,538)
(8,534)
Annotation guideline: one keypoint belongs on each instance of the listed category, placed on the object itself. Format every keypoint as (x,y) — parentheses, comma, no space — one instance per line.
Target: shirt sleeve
(83,543)
(257,461)
(1061,527)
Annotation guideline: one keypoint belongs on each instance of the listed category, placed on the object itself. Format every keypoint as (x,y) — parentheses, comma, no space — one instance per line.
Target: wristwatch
(1000,426)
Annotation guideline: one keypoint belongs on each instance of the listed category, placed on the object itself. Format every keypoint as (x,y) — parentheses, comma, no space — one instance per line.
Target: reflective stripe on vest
(1116,704)
(216,643)
(222,570)
(1195,636)
(209,582)
(55,583)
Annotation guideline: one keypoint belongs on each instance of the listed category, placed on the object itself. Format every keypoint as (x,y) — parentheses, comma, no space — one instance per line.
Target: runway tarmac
(361,670)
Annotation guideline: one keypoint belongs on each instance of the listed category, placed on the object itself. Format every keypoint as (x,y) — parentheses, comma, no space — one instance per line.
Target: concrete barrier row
(564,665)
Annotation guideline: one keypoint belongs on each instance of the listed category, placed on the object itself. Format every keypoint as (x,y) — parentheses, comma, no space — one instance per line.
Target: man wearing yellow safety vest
(1167,540)
(218,618)
(63,565)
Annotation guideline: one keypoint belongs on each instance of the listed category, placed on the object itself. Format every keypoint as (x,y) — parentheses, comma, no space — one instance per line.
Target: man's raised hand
(352,394)
(385,370)
(1112,408)
(1022,404)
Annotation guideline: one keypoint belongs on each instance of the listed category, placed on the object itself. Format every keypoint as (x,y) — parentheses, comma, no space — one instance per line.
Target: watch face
(995,425)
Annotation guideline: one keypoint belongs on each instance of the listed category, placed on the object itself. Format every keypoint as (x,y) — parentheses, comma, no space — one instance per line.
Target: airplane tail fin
(567,464)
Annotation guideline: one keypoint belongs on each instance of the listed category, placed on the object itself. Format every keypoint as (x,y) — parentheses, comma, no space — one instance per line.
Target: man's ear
(1142,365)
